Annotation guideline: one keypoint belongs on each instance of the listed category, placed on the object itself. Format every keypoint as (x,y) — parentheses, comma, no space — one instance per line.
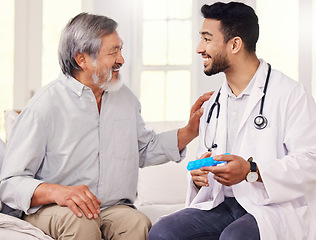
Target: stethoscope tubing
(260,121)
(265,89)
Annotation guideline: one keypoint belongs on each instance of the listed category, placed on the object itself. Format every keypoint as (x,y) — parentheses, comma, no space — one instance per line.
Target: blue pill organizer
(204,162)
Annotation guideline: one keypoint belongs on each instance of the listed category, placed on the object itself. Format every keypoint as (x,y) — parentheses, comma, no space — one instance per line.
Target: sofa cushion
(14,228)
(155,212)
(166,183)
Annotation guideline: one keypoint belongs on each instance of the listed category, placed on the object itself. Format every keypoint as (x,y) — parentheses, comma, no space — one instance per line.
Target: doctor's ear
(236,44)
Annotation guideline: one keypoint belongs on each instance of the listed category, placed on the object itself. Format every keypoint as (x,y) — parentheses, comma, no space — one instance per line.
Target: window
(6,60)
(56,14)
(166,59)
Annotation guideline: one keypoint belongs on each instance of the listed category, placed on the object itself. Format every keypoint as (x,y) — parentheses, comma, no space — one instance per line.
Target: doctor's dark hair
(82,34)
(237,20)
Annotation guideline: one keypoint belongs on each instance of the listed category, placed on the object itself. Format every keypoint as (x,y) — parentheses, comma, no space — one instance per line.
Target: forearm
(43,194)
(185,136)
(191,130)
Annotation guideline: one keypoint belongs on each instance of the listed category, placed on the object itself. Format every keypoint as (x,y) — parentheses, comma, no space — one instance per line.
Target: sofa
(161,189)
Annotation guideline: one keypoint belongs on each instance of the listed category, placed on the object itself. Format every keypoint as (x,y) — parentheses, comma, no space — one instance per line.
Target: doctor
(267,188)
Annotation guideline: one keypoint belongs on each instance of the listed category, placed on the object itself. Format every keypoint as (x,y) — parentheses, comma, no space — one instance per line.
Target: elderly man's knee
(60,222)
(125,222)
(142,219)
(71,218)
(80,228)
(135,219)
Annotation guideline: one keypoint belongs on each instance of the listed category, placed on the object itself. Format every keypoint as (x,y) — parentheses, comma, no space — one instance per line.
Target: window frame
(137,55)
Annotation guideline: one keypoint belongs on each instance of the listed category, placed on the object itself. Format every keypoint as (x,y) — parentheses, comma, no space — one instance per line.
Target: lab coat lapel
(221,134)
(214,191)
(255,97)
(221,141)
(254,100)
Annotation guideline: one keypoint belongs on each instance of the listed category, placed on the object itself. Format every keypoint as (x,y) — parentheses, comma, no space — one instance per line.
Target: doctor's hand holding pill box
(226,169)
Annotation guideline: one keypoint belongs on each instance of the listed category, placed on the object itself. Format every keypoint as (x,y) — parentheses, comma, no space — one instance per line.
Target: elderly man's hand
(191,130)
(75,197)
(199,177)
(196,113)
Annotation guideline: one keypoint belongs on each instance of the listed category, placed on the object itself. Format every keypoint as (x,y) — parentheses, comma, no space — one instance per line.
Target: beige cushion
(166,183)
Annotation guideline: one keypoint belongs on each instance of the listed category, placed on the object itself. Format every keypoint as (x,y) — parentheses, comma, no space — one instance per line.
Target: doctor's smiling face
(213,48)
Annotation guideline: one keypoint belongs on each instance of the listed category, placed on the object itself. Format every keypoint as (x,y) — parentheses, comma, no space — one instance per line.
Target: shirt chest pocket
(125,139)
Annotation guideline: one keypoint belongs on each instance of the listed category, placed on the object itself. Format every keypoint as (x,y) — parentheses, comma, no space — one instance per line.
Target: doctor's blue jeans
(228,221)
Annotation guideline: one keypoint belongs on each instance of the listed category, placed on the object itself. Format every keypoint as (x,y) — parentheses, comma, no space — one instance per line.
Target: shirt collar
(73,84)
(249,87)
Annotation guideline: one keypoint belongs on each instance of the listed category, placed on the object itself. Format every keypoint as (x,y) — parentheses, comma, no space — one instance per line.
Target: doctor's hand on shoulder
(191,130)
(234,172)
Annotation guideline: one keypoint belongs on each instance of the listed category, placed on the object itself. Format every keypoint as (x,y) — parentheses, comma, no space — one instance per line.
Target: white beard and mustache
(107,83)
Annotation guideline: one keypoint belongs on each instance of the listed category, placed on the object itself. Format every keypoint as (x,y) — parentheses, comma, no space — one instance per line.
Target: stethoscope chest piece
(260,122)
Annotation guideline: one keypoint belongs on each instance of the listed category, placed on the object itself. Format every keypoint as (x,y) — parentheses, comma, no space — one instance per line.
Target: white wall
(27,53)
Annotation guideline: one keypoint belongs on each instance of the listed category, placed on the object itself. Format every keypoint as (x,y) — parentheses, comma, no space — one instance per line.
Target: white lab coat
(284,205)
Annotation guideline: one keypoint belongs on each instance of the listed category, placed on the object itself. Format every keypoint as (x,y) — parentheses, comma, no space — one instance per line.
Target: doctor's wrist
(253,175)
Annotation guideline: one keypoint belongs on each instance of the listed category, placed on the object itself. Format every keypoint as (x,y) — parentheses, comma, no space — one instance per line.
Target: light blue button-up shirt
(60,137)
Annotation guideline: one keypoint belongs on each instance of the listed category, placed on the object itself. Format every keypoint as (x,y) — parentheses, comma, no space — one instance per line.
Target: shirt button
(101,183)
(102,155)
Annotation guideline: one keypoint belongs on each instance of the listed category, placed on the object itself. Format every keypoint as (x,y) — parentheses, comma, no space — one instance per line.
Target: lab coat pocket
(125,142)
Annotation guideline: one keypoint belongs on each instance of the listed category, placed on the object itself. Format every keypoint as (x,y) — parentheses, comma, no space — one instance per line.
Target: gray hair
(82,34)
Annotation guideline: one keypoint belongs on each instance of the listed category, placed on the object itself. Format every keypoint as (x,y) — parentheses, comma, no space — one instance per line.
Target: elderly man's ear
(82,59)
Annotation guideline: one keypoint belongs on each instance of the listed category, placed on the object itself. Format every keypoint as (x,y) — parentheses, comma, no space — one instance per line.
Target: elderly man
(73,157)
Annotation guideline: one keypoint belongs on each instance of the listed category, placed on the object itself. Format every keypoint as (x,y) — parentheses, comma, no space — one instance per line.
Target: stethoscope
(260,121)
